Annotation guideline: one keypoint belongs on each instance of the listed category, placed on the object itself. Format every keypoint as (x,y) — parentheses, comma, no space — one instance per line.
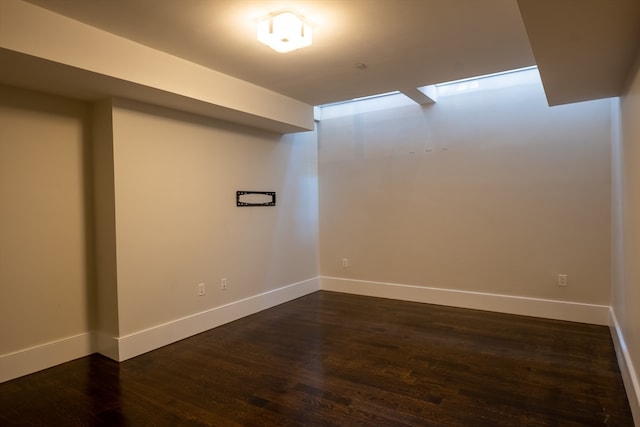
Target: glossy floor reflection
(335,359)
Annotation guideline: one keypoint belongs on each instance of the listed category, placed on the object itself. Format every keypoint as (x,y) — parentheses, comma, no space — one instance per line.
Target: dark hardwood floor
(334,359)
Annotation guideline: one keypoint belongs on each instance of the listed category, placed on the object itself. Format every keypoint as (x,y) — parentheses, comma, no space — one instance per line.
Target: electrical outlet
(223,283)
(201,289)
(562,280)
(345,262)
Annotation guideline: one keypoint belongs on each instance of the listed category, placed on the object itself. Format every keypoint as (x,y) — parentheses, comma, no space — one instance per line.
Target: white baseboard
(105,344)
(30,360)
(548,309)
(33,359)
(37,358)
(629,376)
(158,336)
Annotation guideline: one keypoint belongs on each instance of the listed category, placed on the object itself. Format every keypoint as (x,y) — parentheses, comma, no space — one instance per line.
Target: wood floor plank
(331,359)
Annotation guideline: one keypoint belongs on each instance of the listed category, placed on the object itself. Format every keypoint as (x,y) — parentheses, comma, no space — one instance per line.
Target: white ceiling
(585,49)
(404,43)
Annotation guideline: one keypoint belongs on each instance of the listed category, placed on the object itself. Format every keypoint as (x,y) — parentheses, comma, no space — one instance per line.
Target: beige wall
(626,224)
(163,212)
(489,191)
(176,221)
(106,302)
(45,242)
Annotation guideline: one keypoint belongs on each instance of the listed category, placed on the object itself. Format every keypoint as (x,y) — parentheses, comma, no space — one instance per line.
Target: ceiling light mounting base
(284,31)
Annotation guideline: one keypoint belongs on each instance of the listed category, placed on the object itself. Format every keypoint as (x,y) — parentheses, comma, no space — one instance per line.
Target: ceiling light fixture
(284,31)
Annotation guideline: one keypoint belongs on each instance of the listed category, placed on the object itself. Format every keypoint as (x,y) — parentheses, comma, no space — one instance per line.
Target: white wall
(45,222)
(164,217)
(129,174)
(177,223)
(626,239)
(485,191)
(106,268)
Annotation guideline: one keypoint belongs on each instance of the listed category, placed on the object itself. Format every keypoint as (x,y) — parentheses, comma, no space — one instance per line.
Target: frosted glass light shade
(284,31)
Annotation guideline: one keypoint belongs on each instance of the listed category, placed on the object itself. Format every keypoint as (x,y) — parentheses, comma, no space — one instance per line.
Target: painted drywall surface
(45,240)
(106,304)
(626,225)
(488,191)
(177,224)
(63,40)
